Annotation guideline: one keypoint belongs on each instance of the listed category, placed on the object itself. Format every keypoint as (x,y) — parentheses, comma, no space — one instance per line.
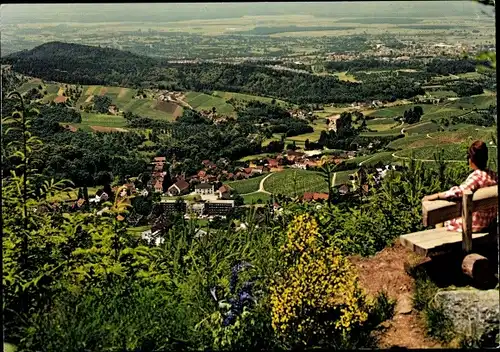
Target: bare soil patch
(178,112)
(71,128)
(166,106)
(123,92)
(89,99)
(60,99)
(103,91)
(385,271)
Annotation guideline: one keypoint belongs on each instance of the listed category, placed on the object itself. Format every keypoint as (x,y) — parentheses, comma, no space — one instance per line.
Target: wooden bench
(439,241)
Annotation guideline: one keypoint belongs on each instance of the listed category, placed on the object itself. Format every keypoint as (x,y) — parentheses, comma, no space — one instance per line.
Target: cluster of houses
(170,96)
(158,175)
(209,202)
(301,114)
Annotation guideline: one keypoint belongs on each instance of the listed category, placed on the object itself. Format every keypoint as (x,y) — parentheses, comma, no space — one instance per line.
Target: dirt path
(385,271)
(261,186)
(426,160)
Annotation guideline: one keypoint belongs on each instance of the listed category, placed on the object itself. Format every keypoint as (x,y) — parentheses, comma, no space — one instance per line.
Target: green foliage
(356,226)
(125,316)
(77,63)
(436,322)
(102,103)
(79,280)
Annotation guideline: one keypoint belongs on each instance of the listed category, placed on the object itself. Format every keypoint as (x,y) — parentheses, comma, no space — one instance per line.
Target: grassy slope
(91,119)
(246,186)
(202,101)
(306,181)
(255,197)
(246,97)
(124,99)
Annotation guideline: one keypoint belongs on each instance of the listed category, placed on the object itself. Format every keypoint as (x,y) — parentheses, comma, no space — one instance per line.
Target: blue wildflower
(234,274)
(229,319)
(244,296)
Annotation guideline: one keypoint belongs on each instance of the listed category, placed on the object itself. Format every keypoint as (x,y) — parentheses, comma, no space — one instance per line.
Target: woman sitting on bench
(477,155)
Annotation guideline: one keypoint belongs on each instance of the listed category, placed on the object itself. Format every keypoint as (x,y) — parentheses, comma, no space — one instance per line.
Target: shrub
(317,301)
(124,315)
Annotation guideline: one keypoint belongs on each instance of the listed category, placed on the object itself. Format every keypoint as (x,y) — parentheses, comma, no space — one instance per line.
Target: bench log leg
(478,269)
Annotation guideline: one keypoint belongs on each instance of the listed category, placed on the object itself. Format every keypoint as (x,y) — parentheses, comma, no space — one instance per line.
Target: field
(422,127)
(247,97)
(440,112)
(33,83)
(344,76)
(478,102)
(454,152)
(256,157)
(382,124)
(71,195)
(384,157)
(257,197)
(442,94)
(202,101)
(394,111)
(292,182)
(124,99)
(246,186)
(462,134)
(102,122)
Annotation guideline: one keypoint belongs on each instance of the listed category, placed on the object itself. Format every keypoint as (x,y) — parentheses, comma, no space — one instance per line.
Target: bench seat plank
(439,241)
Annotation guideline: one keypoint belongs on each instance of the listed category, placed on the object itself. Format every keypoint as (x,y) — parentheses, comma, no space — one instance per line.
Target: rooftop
(204,186)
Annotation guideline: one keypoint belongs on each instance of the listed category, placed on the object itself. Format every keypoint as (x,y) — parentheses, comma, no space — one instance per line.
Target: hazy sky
(166,12)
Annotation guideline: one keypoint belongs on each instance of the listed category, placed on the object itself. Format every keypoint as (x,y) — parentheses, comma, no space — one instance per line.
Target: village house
(218,207)
(293,156)
(208,164)
(248,170)
(299,165)
(272,163)
(343,189)
(258,170)
(204,188)
(179,188)
(172,205)
(224,192)
(314,196)
(158,186)
(113,109)
(201,209)
(201,175)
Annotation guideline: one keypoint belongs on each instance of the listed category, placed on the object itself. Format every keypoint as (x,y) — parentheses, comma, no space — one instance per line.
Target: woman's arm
(435,196)
(472,183)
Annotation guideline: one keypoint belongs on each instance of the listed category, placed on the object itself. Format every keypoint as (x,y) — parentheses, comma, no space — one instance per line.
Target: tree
(328,170)
(102,103)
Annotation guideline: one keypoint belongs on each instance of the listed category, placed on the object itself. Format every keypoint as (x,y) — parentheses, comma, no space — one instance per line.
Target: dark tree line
(82,64)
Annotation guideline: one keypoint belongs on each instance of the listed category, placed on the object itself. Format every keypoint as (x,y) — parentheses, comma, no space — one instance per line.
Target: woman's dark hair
(478,153)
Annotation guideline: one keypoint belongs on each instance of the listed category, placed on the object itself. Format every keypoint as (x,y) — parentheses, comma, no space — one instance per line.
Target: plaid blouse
(480,219)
